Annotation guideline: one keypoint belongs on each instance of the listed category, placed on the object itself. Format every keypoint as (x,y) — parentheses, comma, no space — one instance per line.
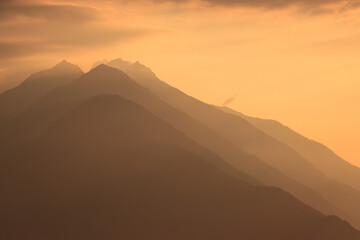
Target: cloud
(270,4)
(228,101)
(10,10)
(70,12)
(63,39)
(21,49)
(57,28)
(350,6)
(263,4)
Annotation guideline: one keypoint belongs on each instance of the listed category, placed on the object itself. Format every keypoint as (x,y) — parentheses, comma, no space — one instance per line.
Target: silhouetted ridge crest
(105,73)
(63,68)
(66,67)
(97,63)
(139,65)
(100,67)
(121,61)
(17,99)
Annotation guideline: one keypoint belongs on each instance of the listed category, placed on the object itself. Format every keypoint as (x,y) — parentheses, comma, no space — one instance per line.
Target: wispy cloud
(228,101)
(33,27)
(270,4)
(10,10)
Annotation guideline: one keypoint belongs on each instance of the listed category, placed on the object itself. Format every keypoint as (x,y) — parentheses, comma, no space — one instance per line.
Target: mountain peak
(105,71)
(119,64)
(120,60)
(64,62)
(103,67)
(137,64)
(122,65)
(97,63)
(65,66)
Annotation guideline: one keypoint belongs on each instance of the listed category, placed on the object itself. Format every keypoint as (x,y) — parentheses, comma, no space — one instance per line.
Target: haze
(293,61)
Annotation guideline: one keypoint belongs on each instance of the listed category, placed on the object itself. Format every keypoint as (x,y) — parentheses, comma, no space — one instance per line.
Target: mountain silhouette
(104,79)
(243,135)
(17,99)
(97,63)
(318,154)
(110,169)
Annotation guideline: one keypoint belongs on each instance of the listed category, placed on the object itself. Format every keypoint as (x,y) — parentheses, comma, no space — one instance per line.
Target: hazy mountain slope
(318,154)
(103,79)
(235,129)
(109,169)
(12,77)
(253,141)
(36,86)
(109,80)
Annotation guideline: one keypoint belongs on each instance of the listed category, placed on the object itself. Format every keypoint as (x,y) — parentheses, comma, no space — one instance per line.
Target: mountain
(243,135)
(17,99)
(12,77)
(97,63)
(318,154)
(103,79)
(110,169)
(32,122)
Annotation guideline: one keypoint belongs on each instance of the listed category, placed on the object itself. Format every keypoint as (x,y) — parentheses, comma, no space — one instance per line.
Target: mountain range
(343,198)
(117,153)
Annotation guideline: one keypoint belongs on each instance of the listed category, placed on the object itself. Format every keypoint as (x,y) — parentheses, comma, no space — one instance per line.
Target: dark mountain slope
(318,154)
(17,99)
(109,169)
(104,79)
(251,140)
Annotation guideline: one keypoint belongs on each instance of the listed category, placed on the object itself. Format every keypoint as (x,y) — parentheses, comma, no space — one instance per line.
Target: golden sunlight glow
(299,66)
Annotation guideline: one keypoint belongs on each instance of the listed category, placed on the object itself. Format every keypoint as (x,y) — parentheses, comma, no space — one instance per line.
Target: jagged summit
(135,70)
(63,62)
(138,64)
(120,60)
(122,64)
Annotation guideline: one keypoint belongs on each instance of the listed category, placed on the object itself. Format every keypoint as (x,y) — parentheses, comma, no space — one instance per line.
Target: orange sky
(296,61)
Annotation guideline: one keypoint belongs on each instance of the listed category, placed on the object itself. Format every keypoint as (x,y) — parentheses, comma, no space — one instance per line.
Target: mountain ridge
(334,166)
(17,99)
(251,140)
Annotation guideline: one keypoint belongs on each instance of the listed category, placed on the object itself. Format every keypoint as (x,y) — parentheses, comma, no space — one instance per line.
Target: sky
(296,61)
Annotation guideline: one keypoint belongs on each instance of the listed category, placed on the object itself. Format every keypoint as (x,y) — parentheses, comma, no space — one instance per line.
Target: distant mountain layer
(243,135)
(319,155)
